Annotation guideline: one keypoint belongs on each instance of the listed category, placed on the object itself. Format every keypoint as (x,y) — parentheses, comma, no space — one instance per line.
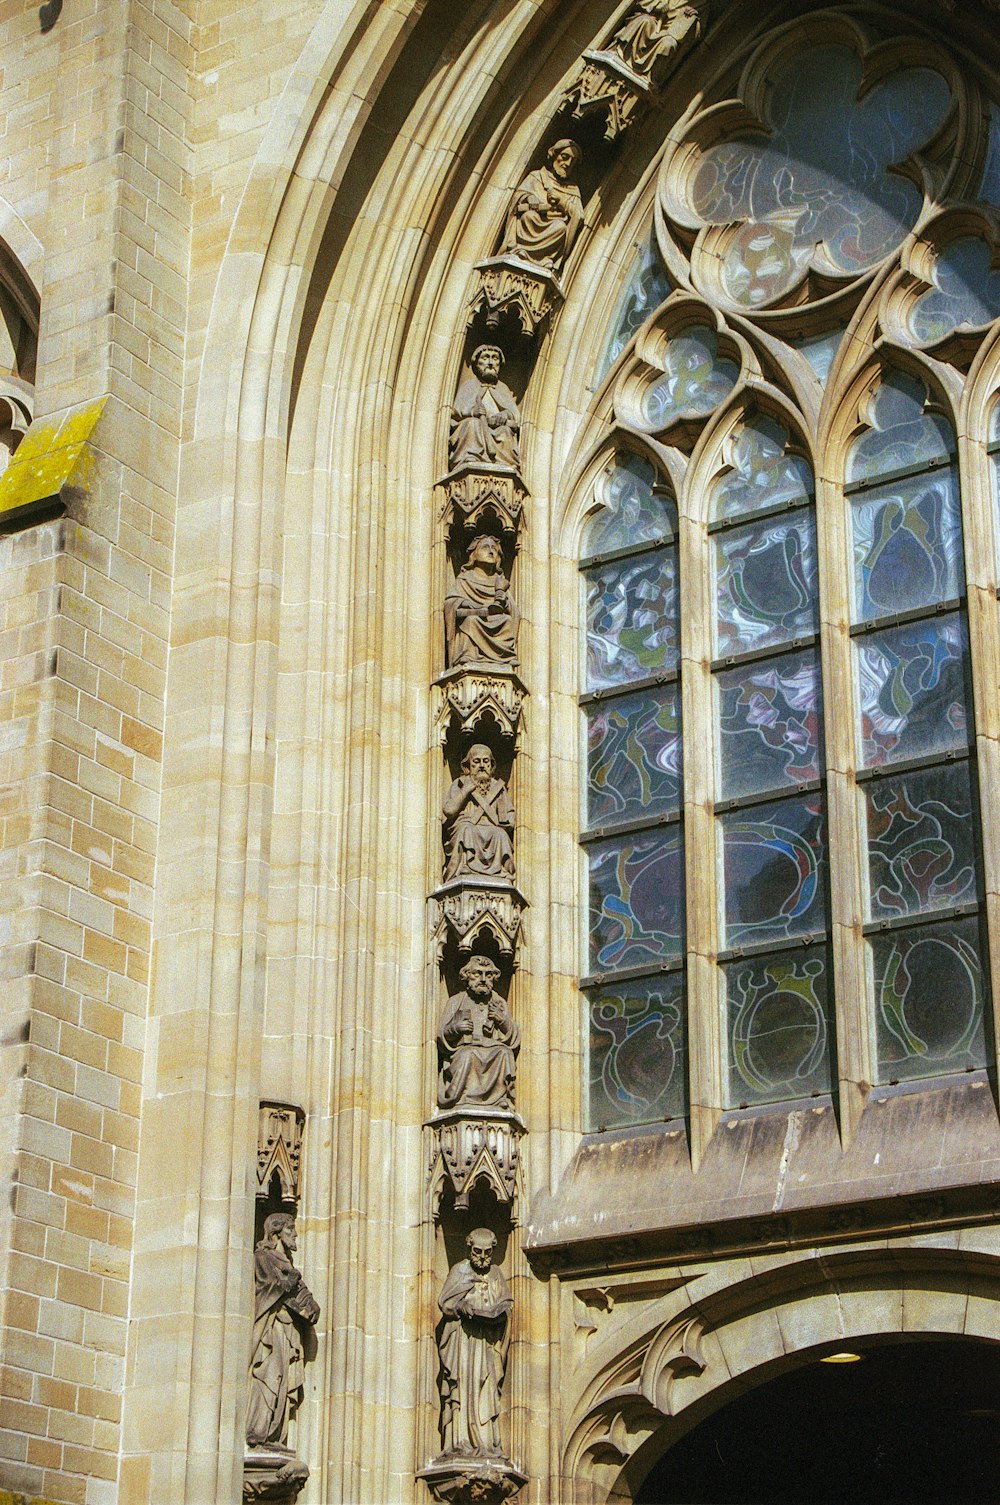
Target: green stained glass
(766,590)
(903,435)
(929,1000)
(637,1052)
(632,511)
(778,1027)
(774,862)
(762,473)
(907,545)
(632,619)
(921,843)
(634,757)
(636,900)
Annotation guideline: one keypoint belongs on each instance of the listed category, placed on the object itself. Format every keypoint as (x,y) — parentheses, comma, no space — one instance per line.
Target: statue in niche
(477,1042)
(485,419)
(480,619)
(654,30)
(282,1304)
(547,212)
(473,1340)
(478,820)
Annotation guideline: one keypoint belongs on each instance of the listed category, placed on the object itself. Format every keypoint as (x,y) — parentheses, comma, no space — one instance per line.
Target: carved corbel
(460,1482)
(604,83)
(479,496)
(467,910)
(279,1149)
(469,694)
(273,1474)
(508,284)
(472,1145)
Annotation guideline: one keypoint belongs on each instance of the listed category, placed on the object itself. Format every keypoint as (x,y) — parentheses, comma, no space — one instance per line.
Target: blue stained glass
(631,619)
(646,289)
(929,1000)
(634,763)
(769,725)
(921,845)
(820,351)
(766,587)
(966,292)
(902,435)
(636,900)
(696,379)
(762,474)
(912,690)
(632,512)
(989,188)
(907,545)
(817,185)
(774,859)
(638,1052)
(778,1027)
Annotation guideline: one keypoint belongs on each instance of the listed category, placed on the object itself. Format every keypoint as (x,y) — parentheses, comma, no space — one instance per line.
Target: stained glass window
(634,835)
(769,725)
(915,738)
(646,289)
(695,380)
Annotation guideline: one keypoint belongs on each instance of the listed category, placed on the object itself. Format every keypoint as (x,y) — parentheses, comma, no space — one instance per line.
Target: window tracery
(827,207)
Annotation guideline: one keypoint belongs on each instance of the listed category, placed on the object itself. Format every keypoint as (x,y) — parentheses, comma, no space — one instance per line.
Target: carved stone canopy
(467,910)
(507,284)
(470,695)
(483,496)
(279,1149)
(477,1144)
(455,1481)
(604,83)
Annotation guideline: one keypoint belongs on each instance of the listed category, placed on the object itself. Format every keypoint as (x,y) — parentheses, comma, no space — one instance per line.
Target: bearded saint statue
(477,1042)
(485,420)
(547,211)
(282,1303)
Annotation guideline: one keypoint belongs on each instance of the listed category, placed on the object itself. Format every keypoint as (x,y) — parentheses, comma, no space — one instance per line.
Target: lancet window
(781,387)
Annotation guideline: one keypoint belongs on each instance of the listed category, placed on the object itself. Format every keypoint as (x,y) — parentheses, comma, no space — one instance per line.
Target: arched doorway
(912,1421)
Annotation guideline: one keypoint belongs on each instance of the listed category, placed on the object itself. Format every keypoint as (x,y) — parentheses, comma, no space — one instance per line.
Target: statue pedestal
(468,907)
(605,83)
(483,496)
(474,1144)
(454,1479)
(272,1473)
(507,284)
(472,691)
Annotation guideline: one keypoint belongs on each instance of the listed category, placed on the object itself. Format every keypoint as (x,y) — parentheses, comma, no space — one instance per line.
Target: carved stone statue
(653,30)
(282,1303)
(480,619)
(477,1042)
(478,820)
(547,211)
(485,419)
(473,1340)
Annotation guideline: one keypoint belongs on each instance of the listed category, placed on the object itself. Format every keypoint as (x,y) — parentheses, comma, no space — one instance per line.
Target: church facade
(499,712)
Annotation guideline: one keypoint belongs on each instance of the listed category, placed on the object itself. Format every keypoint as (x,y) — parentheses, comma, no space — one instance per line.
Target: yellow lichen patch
(54,453)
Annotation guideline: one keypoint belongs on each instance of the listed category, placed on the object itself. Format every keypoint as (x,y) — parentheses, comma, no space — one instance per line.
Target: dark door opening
(912,1421)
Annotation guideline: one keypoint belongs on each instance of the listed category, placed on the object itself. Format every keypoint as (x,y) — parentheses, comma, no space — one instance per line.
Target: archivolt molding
(672,1360)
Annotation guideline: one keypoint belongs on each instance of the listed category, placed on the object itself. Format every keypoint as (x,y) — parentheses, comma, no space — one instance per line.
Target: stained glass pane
(769,725)
(818,185)
(762,474)
(929,1000)
(696,379)
(634,761)
(636,900)
(820,351)
(646,289)
(774,860)
(766,591)
(631,619)
(631,512)
(778,1027)
(966,291)
(989,188)
(638,1052)
(921,843)
(912,690)
(907,545)
(902,435)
